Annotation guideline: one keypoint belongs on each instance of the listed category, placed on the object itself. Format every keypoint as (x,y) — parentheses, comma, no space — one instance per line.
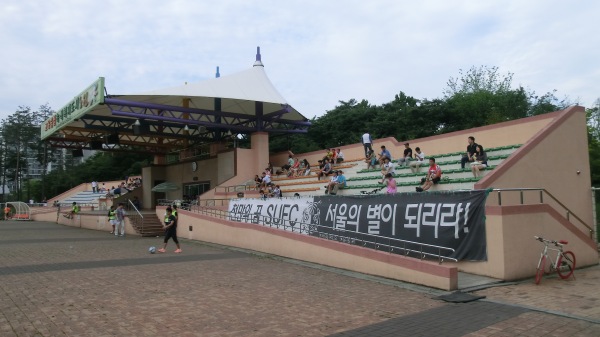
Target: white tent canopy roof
(251,85)
(162,119)
(238,93)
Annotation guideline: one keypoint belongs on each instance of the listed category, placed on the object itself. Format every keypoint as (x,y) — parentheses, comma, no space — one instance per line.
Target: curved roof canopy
(163,120)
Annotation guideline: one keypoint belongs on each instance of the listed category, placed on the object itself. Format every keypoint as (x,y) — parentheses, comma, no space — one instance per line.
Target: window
(192,191)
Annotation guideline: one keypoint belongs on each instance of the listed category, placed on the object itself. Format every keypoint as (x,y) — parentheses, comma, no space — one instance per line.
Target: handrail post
(499,198)
(541,196)
(522,199)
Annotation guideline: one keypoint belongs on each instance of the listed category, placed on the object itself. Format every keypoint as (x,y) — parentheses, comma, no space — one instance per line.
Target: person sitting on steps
(387,167)
(407,156)
(332,182)
(371,160)
(415,165)
(434,175)
(480,162)
(341,183)
(326,170)
(468,156)
(385,153)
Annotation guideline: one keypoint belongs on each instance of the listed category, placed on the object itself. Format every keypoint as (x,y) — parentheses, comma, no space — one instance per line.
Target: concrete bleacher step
(445,165)
(84,197)
(359,179)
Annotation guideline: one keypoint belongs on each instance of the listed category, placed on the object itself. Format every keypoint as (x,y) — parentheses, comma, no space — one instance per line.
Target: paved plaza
(64,281)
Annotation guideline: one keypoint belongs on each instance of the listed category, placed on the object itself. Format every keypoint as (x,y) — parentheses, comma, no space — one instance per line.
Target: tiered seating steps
(84,197)
(360,181)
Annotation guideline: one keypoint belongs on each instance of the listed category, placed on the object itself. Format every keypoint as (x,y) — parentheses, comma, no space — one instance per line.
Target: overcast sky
(315,52)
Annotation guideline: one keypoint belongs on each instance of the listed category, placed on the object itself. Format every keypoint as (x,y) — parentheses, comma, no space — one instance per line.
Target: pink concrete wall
(513,253)
(551,160)
(307,248)
(83,220)
(501,134)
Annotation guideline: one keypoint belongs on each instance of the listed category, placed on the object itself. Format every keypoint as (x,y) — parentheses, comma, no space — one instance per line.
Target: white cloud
(315,52)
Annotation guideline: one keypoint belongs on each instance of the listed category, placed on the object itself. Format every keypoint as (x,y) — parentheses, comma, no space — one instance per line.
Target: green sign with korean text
(77,107)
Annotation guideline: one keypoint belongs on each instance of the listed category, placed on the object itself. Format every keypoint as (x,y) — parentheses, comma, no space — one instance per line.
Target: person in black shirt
(408,154)
(170,227)
(471,149)
(480,162)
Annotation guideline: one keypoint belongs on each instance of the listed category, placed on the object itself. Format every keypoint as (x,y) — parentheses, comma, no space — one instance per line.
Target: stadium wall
(507,133)
(313,249)
(556,159)
(513,252)
(83,220)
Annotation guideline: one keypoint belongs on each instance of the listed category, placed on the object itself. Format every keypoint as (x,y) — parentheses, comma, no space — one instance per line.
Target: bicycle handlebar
(554,242)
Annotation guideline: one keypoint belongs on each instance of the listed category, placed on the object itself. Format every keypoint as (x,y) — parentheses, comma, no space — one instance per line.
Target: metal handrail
(68,204)
(235,188)
(214,202)
(342,235)
(137,217)
(542,191)
(179,203)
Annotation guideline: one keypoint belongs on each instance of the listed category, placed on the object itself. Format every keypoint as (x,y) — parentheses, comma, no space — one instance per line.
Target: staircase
(150,225)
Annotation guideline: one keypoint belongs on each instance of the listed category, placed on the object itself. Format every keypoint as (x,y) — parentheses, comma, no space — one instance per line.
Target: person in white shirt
(415,165)
(387,167)
(340,156)
(266,180)
(367,142)
(332,182)
(277,192)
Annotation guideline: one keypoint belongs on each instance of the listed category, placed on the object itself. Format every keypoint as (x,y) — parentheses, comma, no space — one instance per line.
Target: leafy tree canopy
(476,97)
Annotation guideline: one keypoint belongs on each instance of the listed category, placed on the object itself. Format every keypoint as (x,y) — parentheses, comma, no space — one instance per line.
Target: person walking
(6,212)
(120,220)
(170,227)
(390,184)
(174,211)
(367,142)
(111,218)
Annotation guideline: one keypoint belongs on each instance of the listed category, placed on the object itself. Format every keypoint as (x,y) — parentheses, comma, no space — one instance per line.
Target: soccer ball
(152,250)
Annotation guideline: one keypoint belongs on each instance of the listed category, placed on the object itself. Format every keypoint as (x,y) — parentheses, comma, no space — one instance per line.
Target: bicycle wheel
(540,269)
(566,265)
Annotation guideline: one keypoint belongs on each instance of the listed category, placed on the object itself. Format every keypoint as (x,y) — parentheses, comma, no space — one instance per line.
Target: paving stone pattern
(63,281)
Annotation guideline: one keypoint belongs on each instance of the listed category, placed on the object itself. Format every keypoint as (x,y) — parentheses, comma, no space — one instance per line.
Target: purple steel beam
(109,101)
(271,117)
(287,131)
(286,109)
(287,121)
(185,121)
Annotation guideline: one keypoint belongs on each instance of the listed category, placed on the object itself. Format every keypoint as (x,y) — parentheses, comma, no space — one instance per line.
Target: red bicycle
(564,264)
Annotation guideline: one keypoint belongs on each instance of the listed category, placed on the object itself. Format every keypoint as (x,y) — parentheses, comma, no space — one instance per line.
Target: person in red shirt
(434,175)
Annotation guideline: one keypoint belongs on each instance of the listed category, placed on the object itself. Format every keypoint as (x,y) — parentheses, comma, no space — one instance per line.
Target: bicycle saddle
(563,242)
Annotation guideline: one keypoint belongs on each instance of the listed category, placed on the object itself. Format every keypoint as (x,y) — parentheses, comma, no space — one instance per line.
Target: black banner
(454,219)
(449,224)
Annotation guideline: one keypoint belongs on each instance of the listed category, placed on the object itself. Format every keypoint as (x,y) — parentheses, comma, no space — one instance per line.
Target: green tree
(548,102)
(346,123)
(482,96)
(19,133)
(593,121)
